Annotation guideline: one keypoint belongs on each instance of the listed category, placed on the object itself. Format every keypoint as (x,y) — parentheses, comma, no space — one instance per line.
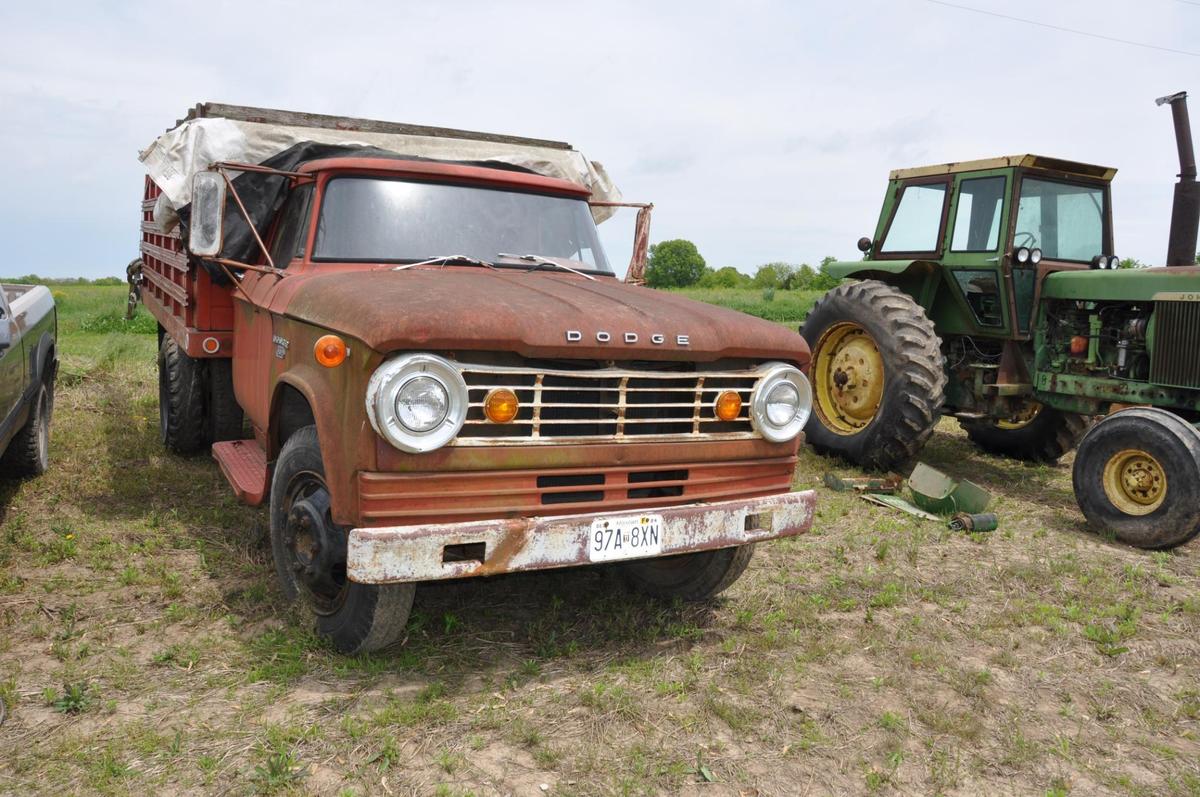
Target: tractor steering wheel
(1032,239)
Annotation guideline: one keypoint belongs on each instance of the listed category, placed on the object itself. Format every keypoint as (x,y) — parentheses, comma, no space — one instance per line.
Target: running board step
(244,464)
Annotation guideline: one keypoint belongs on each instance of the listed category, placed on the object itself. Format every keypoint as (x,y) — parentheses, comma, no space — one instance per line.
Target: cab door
(974,258)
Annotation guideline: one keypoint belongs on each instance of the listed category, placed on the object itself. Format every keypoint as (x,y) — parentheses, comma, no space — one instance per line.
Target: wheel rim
(848,378)
(1135,482)
(1022,417)
(314,545)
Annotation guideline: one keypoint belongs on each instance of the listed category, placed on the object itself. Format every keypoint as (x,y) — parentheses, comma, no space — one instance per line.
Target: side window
(917,220)
(982,292)
(977,220)
(289,237)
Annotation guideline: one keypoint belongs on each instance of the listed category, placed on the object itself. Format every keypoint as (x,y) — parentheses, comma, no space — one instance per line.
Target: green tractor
(991,292)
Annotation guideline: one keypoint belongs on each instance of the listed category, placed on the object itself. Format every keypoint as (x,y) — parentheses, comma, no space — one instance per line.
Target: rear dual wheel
(1137,477)
(196,405)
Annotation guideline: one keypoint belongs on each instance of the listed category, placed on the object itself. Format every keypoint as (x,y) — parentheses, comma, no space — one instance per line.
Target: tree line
(678,264)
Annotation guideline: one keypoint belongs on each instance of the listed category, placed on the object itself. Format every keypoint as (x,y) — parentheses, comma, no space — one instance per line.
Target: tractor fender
(880,270)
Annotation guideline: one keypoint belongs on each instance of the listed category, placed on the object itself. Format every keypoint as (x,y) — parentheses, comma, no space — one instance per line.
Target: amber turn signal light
(501,405)
(729,406)
(330,351)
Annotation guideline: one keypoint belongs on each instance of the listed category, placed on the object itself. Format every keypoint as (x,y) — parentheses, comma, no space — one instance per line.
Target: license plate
(625,537)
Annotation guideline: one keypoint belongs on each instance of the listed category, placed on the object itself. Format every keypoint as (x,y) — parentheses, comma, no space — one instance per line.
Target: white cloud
(762,130)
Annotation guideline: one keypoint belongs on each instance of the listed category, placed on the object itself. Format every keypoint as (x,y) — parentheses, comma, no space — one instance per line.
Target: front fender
(347,441)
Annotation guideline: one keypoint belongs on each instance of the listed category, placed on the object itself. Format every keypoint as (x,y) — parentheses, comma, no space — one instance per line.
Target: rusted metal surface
(417,553)
(636,273)
(531,315)
(408,498)
(244,465)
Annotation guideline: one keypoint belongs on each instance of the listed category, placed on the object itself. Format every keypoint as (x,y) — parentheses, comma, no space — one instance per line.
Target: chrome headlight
(781,403)
(417,402)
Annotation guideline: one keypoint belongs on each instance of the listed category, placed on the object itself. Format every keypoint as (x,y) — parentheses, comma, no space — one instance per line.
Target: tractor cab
(973,240)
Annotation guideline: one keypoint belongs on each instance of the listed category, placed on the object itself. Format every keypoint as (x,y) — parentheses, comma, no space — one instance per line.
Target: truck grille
(1176,330)
(607,404)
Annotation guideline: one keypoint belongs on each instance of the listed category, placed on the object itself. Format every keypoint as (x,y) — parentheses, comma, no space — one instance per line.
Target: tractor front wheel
(1137,477)
(876,372)
(1036,433)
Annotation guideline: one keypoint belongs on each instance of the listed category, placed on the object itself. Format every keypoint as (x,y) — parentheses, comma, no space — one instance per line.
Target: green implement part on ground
(936,492)
(991,291)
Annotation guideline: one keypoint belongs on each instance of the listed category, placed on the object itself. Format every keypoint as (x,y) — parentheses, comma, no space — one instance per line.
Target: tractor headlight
(1021,255)
(781,403)
(417,402)
(1114,262)
(1035,256)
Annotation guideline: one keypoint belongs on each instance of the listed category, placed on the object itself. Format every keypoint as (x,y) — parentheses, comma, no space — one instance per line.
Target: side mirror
(208,214)
(5,332)
(864,245)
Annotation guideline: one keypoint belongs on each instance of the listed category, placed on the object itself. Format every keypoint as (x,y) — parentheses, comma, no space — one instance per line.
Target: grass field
(786,307)
(145,648)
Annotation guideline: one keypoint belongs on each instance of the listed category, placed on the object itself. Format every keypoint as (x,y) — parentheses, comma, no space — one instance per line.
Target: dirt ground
(146,649)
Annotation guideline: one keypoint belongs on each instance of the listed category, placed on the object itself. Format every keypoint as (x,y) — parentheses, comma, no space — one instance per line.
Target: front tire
(28,453)
(877,375)
(690,576)
(1040,434)
(310,557)
(1137,477)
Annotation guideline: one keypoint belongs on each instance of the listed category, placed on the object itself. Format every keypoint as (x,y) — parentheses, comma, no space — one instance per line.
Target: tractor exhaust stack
(1185,213)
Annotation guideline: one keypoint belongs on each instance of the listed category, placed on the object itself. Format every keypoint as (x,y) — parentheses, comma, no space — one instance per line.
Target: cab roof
(497,175)
(1009,161)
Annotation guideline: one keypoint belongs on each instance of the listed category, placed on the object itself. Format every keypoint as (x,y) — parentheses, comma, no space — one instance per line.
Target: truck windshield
(380,220)
(1065,221)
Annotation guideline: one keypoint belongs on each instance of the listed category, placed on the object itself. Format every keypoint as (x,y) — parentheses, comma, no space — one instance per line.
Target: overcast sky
(761,130)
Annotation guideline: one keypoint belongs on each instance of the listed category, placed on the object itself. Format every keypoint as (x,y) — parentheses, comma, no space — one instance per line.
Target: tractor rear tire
(877,375)
(182,422)
(1046,437)
(1137,477)
(688,577)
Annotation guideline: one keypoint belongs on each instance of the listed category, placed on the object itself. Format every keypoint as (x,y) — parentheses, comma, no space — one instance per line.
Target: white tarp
(198,143)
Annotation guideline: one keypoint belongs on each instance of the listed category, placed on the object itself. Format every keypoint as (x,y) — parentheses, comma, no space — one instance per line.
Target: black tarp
(264,194)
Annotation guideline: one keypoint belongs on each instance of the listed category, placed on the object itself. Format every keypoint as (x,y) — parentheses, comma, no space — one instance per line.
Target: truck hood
(534,314)
(1130,284)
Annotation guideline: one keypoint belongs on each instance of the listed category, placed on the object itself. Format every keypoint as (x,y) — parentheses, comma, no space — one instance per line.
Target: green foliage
(788,277)
(1130,262)
(774,275)
(34,279)
(674,264)
(725,277)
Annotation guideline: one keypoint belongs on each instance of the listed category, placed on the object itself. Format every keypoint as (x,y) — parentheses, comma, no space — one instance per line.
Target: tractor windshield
(377,220)
(1065,221)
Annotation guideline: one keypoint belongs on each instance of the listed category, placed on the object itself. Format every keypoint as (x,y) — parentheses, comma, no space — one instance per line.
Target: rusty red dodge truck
(409,342)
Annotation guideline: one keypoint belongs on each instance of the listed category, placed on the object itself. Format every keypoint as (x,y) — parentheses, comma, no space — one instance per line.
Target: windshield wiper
(444,259)
(545,261)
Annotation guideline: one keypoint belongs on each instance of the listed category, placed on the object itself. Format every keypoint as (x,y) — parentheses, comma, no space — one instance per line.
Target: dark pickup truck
(28,364)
